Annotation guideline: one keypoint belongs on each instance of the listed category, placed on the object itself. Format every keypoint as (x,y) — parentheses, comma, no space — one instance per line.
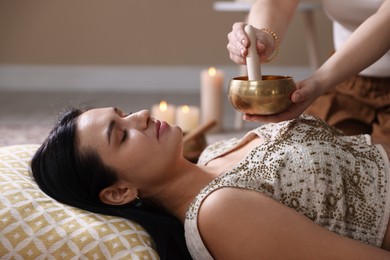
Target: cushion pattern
(35,226)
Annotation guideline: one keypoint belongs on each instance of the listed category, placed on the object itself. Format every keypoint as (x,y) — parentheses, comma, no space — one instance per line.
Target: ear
(118,194)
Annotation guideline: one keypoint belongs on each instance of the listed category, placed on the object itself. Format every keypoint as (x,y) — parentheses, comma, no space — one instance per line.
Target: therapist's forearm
(366,45)
(275,15)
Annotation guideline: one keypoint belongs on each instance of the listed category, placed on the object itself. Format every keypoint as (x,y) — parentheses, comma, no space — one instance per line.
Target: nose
(139,119)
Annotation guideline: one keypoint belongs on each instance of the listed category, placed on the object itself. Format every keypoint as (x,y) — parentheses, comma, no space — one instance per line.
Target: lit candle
(164,112)
(211,97)
(187,117)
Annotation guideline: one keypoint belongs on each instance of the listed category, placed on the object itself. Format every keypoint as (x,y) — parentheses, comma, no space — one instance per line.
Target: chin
(177,129)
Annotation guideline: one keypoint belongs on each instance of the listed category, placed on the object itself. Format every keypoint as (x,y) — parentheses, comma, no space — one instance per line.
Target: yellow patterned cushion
(32,225)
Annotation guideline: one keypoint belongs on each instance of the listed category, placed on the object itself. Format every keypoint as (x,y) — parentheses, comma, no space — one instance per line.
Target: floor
(26,116)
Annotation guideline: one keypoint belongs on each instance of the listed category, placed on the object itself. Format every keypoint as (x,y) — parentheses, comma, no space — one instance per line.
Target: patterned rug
(13,133)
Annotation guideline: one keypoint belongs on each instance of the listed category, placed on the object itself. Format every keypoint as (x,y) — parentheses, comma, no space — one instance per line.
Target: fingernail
(262,47)
(297,97)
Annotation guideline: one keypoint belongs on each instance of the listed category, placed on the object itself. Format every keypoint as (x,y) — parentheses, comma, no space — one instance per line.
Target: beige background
(133,32)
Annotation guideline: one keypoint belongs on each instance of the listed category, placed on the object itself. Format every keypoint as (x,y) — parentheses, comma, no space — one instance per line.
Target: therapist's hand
(239,42)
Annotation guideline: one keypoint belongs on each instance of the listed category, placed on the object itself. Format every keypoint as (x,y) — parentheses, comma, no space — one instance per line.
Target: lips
(157,124)
(160,128)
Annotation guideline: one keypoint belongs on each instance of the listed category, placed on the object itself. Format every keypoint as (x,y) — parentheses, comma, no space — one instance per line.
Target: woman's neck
(177,195)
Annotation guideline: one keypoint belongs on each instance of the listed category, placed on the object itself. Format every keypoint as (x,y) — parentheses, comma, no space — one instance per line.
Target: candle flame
(185,109)
(163,106)
(212,71)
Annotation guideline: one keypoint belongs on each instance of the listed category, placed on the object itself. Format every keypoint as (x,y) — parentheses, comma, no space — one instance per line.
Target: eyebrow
(111,126)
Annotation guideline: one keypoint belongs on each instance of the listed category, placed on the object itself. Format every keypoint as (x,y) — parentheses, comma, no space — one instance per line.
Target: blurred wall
(133,32)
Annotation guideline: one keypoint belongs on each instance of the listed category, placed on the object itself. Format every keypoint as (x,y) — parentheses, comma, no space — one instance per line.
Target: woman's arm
(241,224)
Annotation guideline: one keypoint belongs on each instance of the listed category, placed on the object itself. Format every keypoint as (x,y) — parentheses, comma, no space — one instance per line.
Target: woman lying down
(298,189)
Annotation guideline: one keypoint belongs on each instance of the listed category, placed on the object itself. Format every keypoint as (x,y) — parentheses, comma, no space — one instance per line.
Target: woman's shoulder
(222,219)
(229,220)
(230,208)
(242,224)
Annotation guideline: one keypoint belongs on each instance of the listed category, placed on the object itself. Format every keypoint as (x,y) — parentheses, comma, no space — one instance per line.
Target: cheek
(147,162)
(138,165)
(143,175)
(172,149)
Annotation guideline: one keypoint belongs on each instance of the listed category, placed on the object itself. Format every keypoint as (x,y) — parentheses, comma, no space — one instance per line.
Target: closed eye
(121,113)
(126,114)
(125,135)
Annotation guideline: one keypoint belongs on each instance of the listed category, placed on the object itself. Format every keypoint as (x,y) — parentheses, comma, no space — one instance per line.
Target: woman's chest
(229,160)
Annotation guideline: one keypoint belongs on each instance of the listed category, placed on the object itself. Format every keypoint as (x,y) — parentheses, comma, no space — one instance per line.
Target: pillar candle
(211,97)
(164,112)
(187,117)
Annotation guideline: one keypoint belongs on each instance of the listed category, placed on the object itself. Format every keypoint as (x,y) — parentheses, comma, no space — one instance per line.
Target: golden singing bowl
(261,97)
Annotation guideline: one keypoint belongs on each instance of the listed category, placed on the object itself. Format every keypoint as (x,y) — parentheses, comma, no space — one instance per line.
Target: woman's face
(141,149)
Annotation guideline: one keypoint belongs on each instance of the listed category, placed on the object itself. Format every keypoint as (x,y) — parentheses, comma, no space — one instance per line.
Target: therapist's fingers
(238,43)
(239,34)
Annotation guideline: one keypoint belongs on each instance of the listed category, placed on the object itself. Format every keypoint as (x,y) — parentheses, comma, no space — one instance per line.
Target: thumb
(298,96)
(305,91)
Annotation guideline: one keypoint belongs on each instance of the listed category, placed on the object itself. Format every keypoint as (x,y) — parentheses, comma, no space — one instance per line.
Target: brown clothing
(360,105)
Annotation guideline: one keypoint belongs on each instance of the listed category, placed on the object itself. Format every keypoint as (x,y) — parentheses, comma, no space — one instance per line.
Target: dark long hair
(76,178)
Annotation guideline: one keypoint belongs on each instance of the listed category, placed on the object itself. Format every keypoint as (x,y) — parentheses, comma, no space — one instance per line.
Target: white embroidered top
(337,181)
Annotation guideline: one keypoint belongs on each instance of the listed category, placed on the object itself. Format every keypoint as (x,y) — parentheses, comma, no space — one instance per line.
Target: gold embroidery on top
(337,181)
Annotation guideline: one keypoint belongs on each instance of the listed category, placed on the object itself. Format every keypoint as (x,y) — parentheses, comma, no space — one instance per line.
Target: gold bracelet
(276,44)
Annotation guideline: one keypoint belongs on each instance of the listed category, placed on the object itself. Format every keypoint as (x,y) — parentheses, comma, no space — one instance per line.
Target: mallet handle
(252,59)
